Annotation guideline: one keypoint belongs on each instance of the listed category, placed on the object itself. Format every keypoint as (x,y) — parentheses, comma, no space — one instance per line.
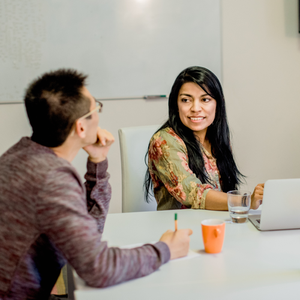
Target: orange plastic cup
(213,232)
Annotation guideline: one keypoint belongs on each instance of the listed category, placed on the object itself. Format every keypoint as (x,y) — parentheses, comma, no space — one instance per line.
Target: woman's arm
(216,200)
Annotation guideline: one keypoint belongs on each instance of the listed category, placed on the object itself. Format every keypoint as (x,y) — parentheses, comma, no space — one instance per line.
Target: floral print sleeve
(175,185)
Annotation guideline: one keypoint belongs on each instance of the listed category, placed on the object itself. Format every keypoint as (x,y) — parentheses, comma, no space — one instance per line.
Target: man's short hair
(54,101)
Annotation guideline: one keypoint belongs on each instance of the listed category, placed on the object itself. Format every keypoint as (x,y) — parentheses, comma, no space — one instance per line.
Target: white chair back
(133,145)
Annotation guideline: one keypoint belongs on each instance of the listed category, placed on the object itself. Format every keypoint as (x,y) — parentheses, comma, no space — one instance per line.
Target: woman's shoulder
(169,136)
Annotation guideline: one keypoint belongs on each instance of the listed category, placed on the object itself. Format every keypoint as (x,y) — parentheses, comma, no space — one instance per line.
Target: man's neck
(67,151)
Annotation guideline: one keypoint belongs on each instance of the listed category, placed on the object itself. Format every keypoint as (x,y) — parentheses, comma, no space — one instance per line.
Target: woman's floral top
(175,185)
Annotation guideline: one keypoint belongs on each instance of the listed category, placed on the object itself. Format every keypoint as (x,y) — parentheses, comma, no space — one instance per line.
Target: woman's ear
(80,129)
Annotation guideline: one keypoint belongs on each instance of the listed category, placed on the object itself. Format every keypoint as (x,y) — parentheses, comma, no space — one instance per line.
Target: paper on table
(191,253)
(256,211)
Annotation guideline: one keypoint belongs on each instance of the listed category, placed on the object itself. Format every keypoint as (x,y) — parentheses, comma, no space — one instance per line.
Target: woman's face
(197,109)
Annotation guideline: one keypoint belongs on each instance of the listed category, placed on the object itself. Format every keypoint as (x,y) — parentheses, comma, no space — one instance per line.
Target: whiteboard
(129,48)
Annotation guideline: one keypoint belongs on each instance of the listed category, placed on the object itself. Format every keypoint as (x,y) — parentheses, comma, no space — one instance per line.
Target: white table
(252,265)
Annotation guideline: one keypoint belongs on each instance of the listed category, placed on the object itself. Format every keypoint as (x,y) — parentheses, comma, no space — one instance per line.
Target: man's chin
(90,142)
(96,140)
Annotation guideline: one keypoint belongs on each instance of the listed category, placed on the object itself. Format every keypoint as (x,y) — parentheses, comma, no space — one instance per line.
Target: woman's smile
(196,119)
(196,108)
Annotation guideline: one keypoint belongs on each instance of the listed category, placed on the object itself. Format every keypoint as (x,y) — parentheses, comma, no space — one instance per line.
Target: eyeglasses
(97,108)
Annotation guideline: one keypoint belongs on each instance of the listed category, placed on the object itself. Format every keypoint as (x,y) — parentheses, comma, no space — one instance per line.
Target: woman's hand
(257,196)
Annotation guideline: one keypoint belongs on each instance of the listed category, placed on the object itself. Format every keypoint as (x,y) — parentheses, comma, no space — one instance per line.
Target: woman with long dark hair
(190,161)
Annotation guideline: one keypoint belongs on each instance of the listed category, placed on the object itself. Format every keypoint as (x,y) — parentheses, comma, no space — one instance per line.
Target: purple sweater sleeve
(98,191)
(75,223)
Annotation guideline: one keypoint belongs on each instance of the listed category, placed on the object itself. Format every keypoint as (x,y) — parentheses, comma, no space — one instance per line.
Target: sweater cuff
(164,250)
(203,199)
(97,170)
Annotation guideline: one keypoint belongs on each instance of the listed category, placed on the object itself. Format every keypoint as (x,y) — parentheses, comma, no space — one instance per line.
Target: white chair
(134,145)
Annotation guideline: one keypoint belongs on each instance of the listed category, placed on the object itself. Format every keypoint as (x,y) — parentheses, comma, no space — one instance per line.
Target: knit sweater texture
(49,217)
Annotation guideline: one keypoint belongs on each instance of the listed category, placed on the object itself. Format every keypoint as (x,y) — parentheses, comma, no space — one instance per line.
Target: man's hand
(257,196)
(97,152)
(178,242)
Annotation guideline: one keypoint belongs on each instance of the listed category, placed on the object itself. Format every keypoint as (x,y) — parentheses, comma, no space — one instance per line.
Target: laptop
(281,206)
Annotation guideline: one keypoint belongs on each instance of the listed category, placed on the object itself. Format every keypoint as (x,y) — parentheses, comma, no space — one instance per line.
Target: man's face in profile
(92,122)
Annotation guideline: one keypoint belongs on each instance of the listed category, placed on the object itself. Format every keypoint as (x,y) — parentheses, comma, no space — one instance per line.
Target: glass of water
(239,203)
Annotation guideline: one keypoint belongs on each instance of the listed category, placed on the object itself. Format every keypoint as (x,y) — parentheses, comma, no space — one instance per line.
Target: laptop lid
(281,205)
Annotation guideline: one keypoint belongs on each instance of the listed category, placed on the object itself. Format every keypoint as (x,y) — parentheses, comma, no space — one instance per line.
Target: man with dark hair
(53,103)
(47,216)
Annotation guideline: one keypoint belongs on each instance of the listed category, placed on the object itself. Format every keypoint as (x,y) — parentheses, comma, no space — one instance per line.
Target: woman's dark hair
(217,133)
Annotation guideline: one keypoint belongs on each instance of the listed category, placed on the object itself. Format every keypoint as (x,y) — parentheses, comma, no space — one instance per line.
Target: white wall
(13,125)
(261,80)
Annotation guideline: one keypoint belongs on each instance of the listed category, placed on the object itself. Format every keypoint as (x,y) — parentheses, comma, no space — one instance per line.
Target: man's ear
(80,129)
